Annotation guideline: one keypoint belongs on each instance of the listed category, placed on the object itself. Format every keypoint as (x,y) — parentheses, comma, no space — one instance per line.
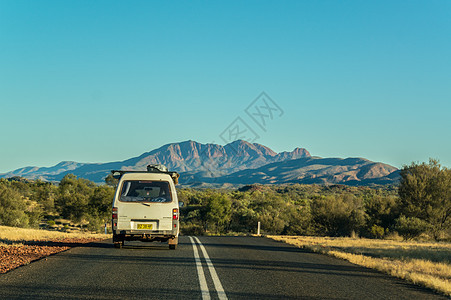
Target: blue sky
(99,81)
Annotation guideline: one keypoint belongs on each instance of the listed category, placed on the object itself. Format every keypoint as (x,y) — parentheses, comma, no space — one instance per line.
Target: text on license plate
(144,226)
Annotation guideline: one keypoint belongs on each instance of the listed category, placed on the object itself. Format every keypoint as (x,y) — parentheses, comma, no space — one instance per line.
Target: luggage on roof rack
(117,174)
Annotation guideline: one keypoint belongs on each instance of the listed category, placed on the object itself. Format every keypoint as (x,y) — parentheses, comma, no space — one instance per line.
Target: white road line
(214,275)
(200,272)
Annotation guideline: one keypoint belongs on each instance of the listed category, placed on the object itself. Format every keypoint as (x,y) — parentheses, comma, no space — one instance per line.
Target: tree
(411,227)
(111,181)
(44,194)
(337,215)
(12,208)
(73,197)
(271,209)
(243,217)
(100,202)
(299,221)
(381,212)
(218,212)
(425,194)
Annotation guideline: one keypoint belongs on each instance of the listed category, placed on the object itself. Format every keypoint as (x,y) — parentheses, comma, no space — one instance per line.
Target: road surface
(201,268)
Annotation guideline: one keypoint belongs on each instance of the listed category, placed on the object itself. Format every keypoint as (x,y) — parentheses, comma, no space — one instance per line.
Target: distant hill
(309,170)
(37,172)
(239,162)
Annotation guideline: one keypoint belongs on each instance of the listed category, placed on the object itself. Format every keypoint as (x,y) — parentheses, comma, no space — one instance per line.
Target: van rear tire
(118,243)
(172,246)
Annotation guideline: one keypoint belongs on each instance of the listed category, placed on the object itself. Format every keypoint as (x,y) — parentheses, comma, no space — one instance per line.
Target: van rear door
(145,205)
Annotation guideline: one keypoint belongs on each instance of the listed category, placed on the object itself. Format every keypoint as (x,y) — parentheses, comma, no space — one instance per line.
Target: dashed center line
(214,276)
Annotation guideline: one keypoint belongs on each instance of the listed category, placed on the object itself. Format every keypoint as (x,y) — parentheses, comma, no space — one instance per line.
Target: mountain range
(239,162)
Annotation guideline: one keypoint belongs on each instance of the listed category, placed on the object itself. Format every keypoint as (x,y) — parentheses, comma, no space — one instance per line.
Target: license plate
(144,226)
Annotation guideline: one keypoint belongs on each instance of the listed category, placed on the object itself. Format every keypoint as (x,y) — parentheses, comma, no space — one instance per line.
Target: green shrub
(192,229)
(377,231)
(95,224)
(337,215)
(411,227)
(12,208)
(425,193)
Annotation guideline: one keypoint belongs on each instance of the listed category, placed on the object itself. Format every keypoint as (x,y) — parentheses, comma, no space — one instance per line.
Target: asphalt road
(222,268)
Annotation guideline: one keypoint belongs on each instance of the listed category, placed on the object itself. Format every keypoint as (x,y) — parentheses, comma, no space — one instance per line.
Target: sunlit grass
(17,236)
(424,263)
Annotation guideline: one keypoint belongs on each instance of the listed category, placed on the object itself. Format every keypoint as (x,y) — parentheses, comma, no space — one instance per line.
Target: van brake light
(175,214)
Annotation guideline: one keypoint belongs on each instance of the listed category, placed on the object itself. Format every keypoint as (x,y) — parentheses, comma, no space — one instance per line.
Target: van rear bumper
(166,233)
(145,236)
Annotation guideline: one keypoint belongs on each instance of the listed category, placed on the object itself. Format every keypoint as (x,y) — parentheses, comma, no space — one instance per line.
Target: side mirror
(181,204)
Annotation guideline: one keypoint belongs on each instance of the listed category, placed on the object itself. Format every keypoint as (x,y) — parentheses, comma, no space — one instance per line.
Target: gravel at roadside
(13,256)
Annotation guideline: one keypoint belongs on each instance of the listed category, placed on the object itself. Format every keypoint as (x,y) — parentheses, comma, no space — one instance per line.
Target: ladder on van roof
(117,174)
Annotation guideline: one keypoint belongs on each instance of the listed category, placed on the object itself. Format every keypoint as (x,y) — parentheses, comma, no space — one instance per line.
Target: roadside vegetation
(75,204)
(424,263)
(419,208)
(13,236)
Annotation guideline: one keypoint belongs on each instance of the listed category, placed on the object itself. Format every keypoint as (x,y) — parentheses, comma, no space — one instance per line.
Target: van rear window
(145,191)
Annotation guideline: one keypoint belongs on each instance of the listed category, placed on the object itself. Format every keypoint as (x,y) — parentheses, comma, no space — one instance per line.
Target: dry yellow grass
(19,246)
(16,236)
(427,264)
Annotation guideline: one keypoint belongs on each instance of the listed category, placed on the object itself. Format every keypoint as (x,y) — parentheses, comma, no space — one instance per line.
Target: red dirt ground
(14,256)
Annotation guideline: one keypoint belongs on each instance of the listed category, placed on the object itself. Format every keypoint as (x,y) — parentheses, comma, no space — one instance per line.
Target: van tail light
(114,217)
(175,214)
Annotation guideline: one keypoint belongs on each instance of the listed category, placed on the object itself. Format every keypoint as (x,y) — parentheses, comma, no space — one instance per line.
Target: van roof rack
(117,174)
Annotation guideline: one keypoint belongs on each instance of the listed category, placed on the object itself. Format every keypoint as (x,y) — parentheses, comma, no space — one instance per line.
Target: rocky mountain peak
(237,162)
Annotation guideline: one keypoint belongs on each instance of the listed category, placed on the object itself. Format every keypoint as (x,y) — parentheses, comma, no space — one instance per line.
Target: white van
(145,206)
